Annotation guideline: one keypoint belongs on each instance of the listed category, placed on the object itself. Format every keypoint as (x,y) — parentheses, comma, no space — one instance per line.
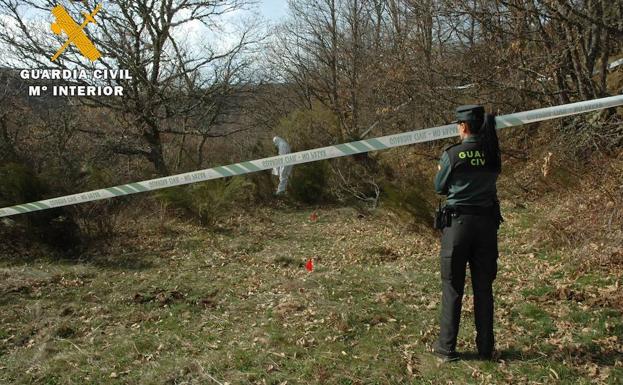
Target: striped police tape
(339,150)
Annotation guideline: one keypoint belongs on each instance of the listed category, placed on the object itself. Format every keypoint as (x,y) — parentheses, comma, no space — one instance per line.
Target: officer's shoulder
(451,146)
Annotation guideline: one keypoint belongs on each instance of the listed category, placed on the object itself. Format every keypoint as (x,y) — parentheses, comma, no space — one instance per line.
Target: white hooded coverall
(283,171)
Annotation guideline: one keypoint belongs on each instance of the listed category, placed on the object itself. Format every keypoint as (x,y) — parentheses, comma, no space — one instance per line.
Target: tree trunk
(155,154)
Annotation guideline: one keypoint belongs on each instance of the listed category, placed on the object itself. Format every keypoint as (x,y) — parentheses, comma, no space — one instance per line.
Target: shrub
(54,227)
(98,219)
(356,181)
(309,128)
(409,202)
(308,182)
(264,185)
(600,131)
(209,201)
(19,185)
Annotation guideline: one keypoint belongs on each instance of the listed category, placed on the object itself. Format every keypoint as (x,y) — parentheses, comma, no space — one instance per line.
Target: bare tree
(172,81)
(557,50)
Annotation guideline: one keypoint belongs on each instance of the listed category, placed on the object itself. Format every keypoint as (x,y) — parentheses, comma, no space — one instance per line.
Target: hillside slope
(183,305)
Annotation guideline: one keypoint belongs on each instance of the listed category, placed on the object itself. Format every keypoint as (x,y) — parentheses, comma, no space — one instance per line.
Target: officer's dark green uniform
(470,238)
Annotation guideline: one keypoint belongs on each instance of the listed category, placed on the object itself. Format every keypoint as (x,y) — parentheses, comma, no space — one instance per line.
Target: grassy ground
(179,305)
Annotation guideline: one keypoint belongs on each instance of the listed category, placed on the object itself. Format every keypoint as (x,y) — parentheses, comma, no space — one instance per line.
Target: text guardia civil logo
(75,33)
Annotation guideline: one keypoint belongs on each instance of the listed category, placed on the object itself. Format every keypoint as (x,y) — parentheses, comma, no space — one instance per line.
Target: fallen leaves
(288,305)
(375,299)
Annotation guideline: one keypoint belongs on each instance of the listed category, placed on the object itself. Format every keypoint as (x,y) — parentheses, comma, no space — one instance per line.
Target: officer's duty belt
(472,210)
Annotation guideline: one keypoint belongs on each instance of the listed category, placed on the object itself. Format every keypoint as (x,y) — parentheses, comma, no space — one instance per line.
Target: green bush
(264,185)
(307,128)
(209,201)
(98,219)
(19,185)
(54,227)
(308,182)
(409,202)
(303,129)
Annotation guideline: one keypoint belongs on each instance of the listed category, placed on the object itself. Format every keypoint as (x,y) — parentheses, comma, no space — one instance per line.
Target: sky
(273,10)
(263,12)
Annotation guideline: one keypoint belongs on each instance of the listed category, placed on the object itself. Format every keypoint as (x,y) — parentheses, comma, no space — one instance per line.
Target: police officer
(467,176)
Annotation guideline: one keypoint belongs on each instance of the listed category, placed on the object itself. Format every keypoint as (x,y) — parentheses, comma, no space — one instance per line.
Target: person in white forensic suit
(283,171)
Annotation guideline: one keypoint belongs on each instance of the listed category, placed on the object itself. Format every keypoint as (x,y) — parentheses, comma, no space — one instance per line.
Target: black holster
(443,217)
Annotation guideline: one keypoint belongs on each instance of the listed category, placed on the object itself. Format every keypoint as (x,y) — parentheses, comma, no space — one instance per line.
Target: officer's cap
(471,112)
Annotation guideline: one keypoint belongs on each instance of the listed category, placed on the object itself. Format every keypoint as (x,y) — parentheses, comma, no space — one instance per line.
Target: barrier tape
(336,151)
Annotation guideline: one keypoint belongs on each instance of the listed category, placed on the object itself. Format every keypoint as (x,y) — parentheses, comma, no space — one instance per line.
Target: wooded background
(333,71)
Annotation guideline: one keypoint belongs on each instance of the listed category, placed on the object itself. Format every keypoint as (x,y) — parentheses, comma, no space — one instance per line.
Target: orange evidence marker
(309,266)
(313,217)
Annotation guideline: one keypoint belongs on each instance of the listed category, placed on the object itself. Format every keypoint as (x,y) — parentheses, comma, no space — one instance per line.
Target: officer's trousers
(469,239)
